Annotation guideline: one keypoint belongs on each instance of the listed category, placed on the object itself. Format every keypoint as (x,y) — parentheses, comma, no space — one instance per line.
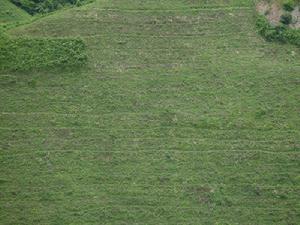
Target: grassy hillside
(46,6)
(184,115)
(10,13)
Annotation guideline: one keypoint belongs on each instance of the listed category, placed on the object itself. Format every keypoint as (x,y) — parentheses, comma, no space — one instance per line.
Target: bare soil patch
(273,12)
(296,18)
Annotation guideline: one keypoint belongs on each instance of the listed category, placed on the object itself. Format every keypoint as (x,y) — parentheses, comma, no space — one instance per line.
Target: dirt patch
(262,7)
(202,194)
(273,12)
(63,133)
(296,18)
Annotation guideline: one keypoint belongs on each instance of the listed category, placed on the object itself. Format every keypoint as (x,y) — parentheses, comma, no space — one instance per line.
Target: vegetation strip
(26,54)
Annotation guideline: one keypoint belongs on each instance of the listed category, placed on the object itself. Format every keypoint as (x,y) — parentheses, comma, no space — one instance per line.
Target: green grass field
(183,115)
(10,13)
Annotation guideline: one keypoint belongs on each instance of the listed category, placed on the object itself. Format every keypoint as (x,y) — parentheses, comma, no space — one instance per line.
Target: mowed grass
(183,115)
(10,13)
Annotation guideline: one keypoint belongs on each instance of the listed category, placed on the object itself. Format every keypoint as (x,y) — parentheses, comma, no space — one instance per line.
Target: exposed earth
(273,12)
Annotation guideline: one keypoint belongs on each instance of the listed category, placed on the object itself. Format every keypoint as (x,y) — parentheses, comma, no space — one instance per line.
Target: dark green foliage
(277,33)
(292,36)
(25,54)
(289,5)
(286,18)
(44,6)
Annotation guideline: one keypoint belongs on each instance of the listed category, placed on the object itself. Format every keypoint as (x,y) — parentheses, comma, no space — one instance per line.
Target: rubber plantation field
(182,115)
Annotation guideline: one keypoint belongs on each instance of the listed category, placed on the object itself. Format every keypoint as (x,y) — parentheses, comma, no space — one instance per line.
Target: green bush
(289,5)
(286,18)
(280,33)
(292,36)
(26,54)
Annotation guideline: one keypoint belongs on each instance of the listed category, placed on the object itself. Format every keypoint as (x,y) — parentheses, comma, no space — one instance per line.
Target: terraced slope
(184,115)
(10,13)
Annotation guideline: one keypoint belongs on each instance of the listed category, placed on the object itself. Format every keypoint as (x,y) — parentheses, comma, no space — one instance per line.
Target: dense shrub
(292,36)
(44,6)
(286,18)
(25,54)
(289,5)
(279,33)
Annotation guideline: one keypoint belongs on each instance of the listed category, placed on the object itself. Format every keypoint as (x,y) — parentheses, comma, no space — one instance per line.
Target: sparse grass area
(183,115)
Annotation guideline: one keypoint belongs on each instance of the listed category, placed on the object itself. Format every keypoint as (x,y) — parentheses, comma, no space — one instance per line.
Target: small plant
(7,12)
(286,18)
(289,5)
(32,83)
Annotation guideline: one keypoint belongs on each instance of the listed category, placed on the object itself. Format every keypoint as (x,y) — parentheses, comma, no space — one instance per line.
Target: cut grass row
(140,23)
(164,5)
